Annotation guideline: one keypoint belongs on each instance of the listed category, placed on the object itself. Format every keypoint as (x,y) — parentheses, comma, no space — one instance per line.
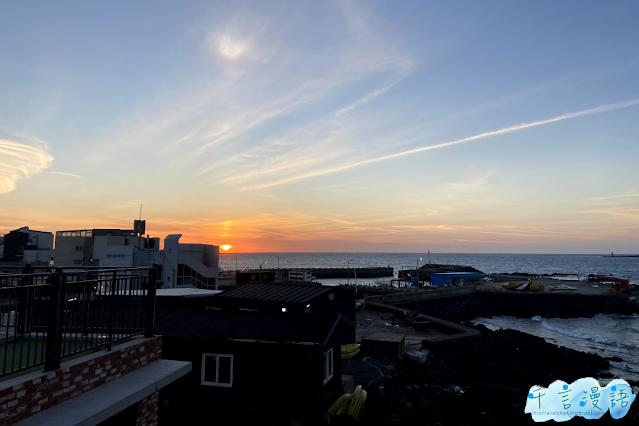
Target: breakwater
(375,272)
(469,306)
(467,303)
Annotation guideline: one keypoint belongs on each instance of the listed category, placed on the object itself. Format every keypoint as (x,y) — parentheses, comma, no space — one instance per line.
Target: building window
(79,248)
(328,365)
(217,370)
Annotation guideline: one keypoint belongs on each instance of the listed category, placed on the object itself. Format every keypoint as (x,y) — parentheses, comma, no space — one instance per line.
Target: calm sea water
(577,264)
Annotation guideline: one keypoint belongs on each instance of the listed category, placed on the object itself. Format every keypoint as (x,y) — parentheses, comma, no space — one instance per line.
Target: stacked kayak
(350,350)
(351,404)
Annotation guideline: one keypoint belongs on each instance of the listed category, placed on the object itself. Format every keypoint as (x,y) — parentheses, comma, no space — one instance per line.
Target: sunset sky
(367,126)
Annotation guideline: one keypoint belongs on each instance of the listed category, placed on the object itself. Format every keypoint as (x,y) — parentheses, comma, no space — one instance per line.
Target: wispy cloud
(474,182)
(255,73)
(18,161)
(564,201)
(66,174)
(505,130)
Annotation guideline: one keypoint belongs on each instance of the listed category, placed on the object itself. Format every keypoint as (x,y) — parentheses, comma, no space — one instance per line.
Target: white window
(328,365)
(217,370)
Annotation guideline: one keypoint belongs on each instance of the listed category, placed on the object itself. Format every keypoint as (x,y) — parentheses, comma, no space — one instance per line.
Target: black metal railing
(47,316)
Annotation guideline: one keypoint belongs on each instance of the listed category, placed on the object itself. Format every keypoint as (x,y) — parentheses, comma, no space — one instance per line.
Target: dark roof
(284,327)
(301,293)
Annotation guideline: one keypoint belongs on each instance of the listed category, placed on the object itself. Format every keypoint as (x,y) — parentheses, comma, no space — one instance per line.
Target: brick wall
(26,395)
(148,410)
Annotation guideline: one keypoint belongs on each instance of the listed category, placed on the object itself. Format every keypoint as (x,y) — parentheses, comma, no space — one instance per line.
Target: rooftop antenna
(138,230)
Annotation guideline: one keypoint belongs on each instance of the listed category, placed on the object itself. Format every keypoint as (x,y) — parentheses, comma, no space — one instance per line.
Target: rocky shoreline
(472,383)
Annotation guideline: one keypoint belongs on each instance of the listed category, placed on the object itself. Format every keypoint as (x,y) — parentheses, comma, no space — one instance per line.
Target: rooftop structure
(83,247)
(51,329)
(195,265)
(27,246)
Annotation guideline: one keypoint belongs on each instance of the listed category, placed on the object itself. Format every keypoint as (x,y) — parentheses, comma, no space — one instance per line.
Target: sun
(225,247)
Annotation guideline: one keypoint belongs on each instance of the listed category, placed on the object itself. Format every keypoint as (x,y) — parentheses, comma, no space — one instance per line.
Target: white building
(28,246)
(183,265)
(128,256)
(194,265)
(83,247)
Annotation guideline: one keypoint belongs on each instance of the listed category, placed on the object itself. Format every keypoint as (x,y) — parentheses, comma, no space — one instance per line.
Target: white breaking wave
(536,318)
(580,335)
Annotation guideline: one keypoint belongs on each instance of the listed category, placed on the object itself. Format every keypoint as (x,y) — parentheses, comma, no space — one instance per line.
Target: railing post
(112,308)
(154,273)
(54,328)
(86,294)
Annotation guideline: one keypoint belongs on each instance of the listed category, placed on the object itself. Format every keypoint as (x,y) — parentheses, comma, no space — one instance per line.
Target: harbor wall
(376,272)
(466,303)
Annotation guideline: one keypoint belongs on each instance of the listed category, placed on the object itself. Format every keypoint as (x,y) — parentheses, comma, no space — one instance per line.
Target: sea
(609,335)
(574,265)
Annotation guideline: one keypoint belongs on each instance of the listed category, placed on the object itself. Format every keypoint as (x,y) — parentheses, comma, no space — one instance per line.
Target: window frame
(328,355)
(217,370)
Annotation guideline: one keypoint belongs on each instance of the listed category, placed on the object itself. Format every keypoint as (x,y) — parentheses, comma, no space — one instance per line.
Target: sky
(326,126)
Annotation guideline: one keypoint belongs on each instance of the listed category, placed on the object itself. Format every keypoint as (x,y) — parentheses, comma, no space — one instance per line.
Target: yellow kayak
(350,354)
(351,347)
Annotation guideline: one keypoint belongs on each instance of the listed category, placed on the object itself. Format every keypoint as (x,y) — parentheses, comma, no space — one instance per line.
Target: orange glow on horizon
(226,247)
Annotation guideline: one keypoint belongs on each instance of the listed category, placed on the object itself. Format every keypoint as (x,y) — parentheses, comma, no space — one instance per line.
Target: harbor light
(283,309)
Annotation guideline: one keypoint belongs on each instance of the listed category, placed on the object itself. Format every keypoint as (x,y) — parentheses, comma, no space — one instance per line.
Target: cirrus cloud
(18,161)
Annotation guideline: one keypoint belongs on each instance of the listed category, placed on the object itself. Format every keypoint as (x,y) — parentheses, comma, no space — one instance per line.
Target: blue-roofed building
(453,279)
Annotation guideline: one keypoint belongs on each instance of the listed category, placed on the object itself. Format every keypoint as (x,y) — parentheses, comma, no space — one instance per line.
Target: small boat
(562,287)
(529,286)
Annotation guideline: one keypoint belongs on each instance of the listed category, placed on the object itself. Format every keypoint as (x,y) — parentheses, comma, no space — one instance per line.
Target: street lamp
(278,263)
(348,271)
(417,270)
(262,264)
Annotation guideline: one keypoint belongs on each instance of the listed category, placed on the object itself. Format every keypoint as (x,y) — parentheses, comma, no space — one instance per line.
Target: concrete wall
(416,296)
(170,260)
(128,256)
(104,241)
(65,253)
(37,256)
(117,256)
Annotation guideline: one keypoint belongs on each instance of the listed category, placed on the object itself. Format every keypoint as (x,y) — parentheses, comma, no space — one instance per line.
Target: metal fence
(47,316)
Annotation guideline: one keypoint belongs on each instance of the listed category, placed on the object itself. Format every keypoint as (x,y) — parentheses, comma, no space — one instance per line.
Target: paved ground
(584,287)
(371,322)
